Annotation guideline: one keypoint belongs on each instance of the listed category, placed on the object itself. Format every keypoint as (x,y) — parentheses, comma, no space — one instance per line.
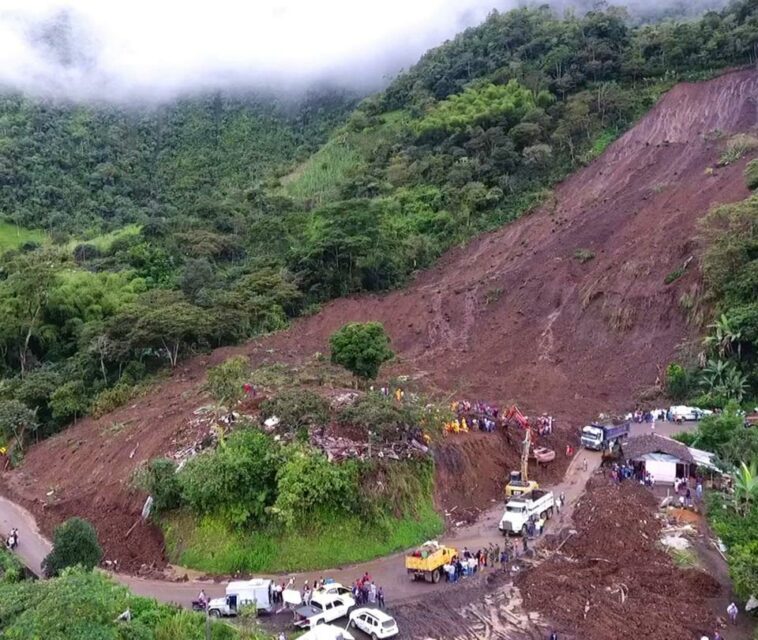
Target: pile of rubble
(612,578)
(337,448)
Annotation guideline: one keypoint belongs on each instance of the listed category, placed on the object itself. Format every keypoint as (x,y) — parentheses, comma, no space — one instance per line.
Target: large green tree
(361,347)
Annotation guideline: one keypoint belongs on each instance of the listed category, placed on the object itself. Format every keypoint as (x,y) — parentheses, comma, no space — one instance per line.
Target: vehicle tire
(550,513)
(352,624)
(214,613)
(320,622)
(436,576)
(543,515)
(373,636)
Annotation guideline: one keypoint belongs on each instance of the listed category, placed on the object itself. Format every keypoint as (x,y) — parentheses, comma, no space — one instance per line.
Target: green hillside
(203,222)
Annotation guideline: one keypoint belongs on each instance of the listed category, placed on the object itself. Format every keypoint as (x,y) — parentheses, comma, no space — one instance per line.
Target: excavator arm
(525,455)
(514,413)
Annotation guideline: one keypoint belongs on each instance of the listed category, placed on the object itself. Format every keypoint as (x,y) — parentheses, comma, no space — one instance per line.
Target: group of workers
(471,417)
(365,592)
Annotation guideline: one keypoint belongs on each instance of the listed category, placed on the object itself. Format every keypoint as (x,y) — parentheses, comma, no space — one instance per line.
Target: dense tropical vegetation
(138,235)
(82,604)
(264,494)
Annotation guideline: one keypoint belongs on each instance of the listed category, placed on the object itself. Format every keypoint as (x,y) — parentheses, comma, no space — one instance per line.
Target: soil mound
(611,576)
(511,316)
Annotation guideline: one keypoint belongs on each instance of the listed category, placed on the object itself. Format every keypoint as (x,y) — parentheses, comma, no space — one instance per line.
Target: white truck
(240,593)
(519,509)
(323,607)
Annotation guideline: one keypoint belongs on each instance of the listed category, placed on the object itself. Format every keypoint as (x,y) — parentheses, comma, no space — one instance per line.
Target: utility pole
(207,623)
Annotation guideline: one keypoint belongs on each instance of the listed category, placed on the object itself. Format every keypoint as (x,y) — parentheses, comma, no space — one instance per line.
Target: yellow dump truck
(427,561)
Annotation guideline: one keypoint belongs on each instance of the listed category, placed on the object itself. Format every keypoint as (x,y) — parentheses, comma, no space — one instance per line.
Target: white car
(335,588)
(327,632)
(373,622)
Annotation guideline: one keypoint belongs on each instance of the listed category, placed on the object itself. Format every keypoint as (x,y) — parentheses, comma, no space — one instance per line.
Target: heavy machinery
(514,414)
(519,480)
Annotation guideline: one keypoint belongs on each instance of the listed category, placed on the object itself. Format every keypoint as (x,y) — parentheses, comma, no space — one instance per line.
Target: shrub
(161,482)
(113,398)
(296,409)
(225,381)
(74,543)
(308,483)
(737,146)
(237,480)
(677,381)
(673,276)
(751,174)
(361,348)
(685,437)
(583,255)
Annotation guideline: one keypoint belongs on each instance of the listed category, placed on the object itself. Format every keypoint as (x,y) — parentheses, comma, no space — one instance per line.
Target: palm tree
(745,487)
(723,337)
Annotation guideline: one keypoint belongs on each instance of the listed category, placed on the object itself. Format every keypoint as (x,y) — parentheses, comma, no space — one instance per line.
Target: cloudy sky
(117,49)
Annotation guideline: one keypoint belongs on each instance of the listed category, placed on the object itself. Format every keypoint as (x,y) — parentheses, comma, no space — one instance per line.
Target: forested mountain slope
(569,310)
(235,229)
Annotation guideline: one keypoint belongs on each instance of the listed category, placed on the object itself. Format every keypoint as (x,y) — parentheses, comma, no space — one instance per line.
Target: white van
(240,593)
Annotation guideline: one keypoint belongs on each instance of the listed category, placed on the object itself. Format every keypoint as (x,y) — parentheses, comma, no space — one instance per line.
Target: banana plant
(745,487)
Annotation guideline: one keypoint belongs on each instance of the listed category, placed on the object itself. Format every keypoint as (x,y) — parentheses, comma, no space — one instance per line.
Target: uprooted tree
(361,347)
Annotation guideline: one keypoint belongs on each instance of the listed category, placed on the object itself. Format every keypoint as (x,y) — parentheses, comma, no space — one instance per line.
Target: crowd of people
(364,591)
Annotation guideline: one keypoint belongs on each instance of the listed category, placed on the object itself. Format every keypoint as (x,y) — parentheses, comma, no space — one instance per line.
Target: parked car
(373,622)
(327,632)
(335,588)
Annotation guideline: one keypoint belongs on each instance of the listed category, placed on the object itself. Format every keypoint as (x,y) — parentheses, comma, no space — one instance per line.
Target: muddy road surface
(389,571)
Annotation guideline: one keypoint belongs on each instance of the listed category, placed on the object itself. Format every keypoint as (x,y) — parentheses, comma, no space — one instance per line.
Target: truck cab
(592,437)
(519,509)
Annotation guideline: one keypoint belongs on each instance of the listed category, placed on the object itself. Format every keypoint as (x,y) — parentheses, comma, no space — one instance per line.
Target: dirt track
(510,316)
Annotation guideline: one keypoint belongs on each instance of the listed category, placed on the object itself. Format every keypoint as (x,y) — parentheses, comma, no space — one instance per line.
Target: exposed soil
(472,470)
(511,316)
(612,576)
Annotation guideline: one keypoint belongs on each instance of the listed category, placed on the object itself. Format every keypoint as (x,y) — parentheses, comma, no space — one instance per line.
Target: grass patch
(737,146)
(210,545)
(684,558)
(320,177)
(105,241)
(674,275)
(751,175)
(12,236)
(584,255)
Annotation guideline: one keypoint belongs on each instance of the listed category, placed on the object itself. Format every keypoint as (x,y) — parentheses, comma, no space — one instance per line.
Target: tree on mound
(361,347)
(74,543)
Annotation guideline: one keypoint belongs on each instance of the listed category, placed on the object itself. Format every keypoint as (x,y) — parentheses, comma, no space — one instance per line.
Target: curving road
(388,571)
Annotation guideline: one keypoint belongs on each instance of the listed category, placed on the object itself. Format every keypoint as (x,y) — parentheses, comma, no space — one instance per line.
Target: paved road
(388,571)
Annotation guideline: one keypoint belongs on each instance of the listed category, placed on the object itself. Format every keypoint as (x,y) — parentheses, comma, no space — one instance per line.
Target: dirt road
(388,571)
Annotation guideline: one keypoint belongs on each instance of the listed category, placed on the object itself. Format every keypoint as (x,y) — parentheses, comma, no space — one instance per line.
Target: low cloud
(110,49)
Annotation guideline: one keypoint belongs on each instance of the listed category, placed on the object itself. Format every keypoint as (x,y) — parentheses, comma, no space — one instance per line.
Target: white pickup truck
(324,607)
(519,509)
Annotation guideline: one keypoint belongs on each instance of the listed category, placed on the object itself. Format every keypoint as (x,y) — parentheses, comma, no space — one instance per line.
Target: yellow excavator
(519,480)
